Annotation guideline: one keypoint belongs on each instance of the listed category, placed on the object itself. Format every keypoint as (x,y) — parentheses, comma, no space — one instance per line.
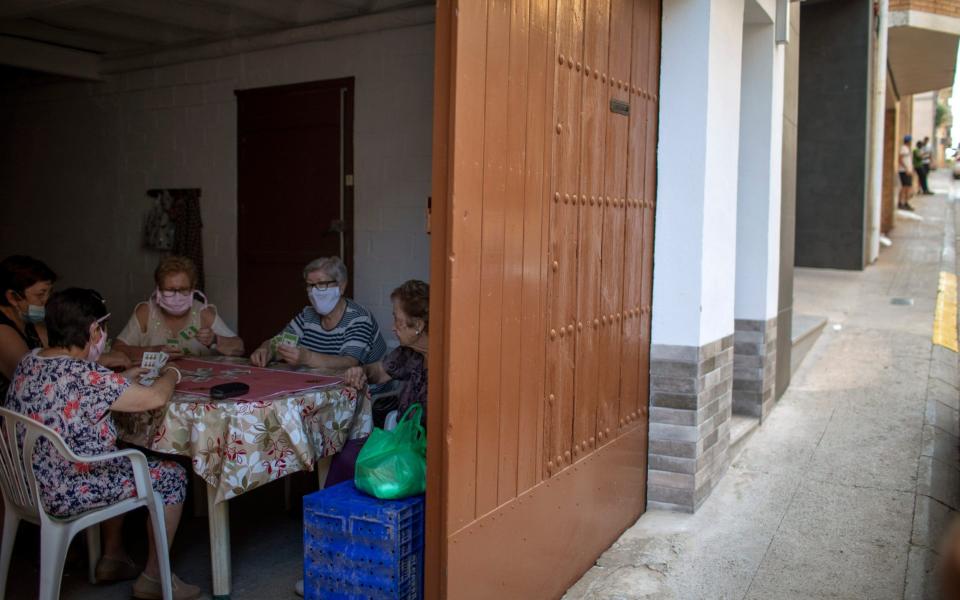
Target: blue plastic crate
(358,547)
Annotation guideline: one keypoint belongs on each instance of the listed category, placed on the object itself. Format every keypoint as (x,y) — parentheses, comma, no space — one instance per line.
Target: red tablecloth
(201,375)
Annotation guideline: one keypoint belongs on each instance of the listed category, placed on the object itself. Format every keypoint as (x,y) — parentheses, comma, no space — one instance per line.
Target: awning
(922,51)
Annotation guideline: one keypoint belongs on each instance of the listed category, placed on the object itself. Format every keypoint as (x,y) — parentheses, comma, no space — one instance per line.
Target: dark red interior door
(295,159)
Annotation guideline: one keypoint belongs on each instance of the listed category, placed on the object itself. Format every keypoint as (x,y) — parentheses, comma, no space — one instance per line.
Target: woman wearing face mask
(408,362)
(335,332)
(174,321)
(63,387)
(25,283)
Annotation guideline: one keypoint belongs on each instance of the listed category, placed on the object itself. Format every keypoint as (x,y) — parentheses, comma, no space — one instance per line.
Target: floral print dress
(73,397)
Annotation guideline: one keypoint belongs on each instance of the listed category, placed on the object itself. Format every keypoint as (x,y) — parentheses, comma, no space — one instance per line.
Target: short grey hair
(331,265)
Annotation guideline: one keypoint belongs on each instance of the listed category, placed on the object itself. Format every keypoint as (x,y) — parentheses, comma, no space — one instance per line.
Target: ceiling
(73,37)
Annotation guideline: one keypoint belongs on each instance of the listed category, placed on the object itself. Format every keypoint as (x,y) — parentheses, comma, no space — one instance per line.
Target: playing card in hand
(154,361)
(189,332)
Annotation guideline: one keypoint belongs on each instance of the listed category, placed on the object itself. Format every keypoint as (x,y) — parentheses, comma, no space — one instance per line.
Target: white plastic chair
(22,502)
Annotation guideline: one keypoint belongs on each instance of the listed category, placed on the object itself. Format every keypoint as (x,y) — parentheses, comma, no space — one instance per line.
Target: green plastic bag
(393,464)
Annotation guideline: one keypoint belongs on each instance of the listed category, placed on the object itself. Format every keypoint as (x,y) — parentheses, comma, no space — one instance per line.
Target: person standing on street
(905,170)
(925,159)
(918,167)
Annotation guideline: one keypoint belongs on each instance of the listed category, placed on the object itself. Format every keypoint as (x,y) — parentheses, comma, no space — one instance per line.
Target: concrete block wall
(690,407)
(76,159)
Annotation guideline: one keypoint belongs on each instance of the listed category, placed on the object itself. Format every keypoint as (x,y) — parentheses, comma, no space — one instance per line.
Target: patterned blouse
(408,365)
(73,397)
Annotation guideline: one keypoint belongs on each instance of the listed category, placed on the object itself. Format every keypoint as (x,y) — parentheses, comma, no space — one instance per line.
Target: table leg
(322,468)
(219,517)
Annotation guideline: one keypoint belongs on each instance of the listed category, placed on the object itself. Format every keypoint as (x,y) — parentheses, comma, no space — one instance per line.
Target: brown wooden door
(294,153)
(542,257)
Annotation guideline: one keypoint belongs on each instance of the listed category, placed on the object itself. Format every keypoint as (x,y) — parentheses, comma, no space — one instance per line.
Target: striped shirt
(356,335)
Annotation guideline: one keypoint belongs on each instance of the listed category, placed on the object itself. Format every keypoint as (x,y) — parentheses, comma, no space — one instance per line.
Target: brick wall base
(754,366)
(690,407)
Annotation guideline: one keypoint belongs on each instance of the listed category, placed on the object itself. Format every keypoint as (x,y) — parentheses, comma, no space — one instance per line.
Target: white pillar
(758,217)
(691,355)
(759,184)
(877,118)
(694,253)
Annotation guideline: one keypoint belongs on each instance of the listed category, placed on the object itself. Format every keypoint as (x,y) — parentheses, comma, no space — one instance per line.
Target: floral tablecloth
(238,446)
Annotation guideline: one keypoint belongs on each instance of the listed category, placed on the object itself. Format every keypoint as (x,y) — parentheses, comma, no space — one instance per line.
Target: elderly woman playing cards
(63,387)
(407,362)
(332,333)
(173,321)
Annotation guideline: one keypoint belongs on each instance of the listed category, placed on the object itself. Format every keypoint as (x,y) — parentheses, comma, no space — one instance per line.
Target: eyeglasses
(321,285)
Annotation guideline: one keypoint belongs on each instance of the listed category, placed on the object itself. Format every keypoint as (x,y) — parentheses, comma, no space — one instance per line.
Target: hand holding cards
(283,339)
(173,349)
(154,361)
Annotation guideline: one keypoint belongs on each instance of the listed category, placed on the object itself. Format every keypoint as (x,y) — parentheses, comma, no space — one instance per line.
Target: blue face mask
(35,314)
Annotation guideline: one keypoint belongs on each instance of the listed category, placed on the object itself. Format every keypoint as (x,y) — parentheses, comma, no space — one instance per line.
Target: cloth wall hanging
(158,228)
(174,225)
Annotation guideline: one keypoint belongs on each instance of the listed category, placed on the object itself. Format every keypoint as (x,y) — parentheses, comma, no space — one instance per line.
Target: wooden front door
(295,153)
(544,185)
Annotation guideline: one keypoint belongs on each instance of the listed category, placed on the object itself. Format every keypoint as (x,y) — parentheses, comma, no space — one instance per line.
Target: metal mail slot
(620,107)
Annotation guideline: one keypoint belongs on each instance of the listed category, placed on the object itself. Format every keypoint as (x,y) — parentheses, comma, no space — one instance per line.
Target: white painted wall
(776,179)
(759,186)
(77,158)
(695,240)
(924,114)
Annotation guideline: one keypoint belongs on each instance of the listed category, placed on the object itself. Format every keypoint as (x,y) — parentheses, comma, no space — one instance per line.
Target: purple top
(409,366)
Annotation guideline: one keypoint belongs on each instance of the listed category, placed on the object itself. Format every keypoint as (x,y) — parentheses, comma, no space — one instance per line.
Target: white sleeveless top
(158,333)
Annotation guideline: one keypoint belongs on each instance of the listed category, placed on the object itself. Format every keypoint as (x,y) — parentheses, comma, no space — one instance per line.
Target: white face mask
(324,301)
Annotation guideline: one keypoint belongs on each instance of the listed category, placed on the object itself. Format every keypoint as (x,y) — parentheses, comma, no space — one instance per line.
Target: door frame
(347,85)
(435,558)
